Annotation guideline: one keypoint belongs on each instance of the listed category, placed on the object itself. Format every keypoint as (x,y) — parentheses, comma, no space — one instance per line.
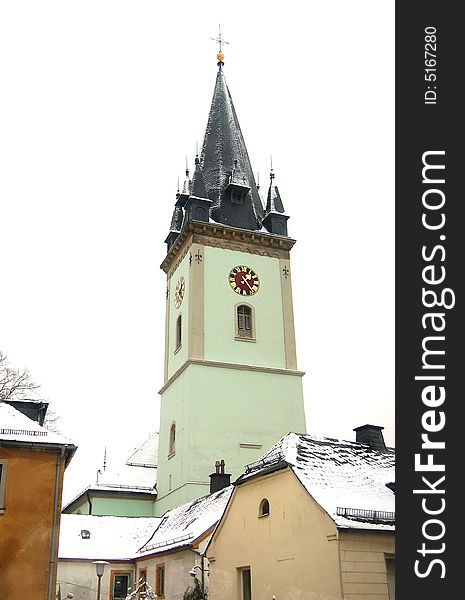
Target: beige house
(163,551)
(312,520)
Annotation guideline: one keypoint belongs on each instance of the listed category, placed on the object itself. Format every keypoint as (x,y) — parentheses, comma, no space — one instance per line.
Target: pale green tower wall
(230,399)
(220,302)
(229,413)
(176,358)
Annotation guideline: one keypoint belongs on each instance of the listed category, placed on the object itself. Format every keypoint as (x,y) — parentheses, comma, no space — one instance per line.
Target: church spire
(226,165)
(223,187)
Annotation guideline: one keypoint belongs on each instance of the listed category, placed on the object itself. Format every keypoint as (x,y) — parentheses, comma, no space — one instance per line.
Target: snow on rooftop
(337,474)
(111,538)
(147,454)
(128,477)
(188,522)
(126,538)
(17,427)
(138,474)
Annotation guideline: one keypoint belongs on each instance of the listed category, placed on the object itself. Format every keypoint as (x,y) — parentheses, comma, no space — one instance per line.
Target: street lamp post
(203,571)
(100,569)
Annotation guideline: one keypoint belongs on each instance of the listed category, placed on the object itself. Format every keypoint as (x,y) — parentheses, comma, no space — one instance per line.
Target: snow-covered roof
(129,538)
(147,454)
(129,478)
(138,474)
(111,538)
(17,427)
(187,523)
(338,474)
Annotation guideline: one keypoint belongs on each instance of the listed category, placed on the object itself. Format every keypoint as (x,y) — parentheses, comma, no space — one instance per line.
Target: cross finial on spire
(271,169)
(220,40)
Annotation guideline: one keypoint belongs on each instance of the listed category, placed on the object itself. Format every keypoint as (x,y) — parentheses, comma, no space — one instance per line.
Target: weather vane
(220,41)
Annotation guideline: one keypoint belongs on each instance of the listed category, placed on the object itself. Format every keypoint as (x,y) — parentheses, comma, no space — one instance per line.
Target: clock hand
(244,280)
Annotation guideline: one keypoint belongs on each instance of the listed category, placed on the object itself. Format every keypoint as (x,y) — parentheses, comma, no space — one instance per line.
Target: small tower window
(244,322)
(264,508)
(178,332)
(172,442)
(237,197)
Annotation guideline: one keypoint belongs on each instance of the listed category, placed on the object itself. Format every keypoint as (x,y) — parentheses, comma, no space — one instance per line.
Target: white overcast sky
(100,103)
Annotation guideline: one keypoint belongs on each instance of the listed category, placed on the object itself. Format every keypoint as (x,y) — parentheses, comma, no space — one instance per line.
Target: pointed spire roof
(273,201)
(198,184)
(176,219)
(186,188)
(224,159)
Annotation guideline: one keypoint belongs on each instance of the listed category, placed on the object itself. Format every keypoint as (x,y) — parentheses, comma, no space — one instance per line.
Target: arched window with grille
(245,326)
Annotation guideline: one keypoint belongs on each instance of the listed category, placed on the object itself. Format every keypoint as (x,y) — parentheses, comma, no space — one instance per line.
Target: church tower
(231,386)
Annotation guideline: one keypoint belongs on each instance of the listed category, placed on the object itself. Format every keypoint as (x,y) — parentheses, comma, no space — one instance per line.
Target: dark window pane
(178,332)
(244,321)
(160,581)
(120,586)
(246,585)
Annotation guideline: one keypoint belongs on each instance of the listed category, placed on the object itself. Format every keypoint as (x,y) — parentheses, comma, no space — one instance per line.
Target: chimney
(219,479)
(372,436)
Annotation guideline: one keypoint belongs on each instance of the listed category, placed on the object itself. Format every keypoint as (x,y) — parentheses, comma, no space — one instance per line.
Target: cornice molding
(228,365)
(226,237)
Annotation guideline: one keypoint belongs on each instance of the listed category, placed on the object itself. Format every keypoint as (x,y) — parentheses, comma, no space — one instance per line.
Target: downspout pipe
(89,500)
(52,566)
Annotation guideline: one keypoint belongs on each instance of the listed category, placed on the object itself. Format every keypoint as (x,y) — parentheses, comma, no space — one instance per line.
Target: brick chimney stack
(372,436)
(219,479)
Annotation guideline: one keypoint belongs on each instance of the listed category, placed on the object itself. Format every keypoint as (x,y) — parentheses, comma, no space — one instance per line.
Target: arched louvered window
(245,327)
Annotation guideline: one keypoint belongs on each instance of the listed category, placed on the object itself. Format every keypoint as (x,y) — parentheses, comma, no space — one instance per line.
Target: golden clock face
(179,292)
(244,281)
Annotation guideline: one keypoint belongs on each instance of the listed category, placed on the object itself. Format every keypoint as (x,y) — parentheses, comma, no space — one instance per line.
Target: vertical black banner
(429,298)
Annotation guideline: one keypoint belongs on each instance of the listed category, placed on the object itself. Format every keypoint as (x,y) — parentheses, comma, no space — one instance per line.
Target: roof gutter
(53,547)
(41,446)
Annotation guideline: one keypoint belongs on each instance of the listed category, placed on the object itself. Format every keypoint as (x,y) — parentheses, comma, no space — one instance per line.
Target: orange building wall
(26,524)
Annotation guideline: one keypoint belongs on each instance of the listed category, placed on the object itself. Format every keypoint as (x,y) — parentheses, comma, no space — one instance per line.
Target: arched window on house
(172,441)
(178,332)
(245,326)
(264,508)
